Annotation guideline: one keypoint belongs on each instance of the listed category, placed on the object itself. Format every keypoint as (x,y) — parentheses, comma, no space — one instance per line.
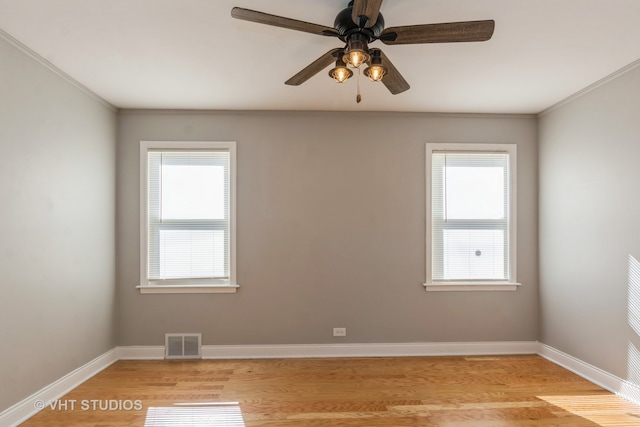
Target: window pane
(473,254)
(474,192)
(192,192)
(192,254)
(470,215)
(189,231)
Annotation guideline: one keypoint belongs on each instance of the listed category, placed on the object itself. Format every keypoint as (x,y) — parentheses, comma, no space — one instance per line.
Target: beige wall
(331,226)
(590,227)
(57,226)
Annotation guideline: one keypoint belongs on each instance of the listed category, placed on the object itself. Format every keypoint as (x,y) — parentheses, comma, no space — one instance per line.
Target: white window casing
(471,217)
(187,217)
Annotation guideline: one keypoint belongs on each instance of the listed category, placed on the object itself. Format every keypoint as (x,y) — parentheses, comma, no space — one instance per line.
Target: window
(187,217)
(471,217)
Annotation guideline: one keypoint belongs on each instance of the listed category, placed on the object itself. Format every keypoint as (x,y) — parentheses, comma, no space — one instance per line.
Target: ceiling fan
(360,24)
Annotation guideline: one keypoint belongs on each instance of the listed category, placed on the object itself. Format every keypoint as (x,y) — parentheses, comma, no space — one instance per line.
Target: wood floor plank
(505,391)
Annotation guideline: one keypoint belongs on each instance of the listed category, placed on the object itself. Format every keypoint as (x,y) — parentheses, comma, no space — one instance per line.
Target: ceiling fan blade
(469,31)
(280,21)
(368,8)
(315,67)
(392,79)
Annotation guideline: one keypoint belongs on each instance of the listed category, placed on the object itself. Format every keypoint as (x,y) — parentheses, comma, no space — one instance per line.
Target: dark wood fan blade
(368,8)
(280,21)
(392,79)
(452,32)
(315,67)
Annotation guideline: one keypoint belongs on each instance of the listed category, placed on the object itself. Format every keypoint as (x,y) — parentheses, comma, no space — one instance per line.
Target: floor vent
(182,346)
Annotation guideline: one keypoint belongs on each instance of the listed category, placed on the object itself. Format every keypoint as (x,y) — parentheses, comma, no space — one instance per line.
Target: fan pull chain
(358,97)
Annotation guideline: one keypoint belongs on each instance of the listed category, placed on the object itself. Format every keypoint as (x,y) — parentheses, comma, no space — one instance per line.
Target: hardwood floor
(415,391)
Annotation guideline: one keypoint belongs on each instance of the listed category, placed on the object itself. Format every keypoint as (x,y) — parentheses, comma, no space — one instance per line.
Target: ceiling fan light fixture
(375,71)
(356,58)
(357,52)
(340,73)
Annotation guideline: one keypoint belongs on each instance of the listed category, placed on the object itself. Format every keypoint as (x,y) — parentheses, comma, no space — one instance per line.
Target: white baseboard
(338,350)
(610,382)
(577,366)
(28,407)
(366,350)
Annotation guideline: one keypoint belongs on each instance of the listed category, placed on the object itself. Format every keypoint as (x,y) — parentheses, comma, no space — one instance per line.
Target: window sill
(188,289)
(470,287)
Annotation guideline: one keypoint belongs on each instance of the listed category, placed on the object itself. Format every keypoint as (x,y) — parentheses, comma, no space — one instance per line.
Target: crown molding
(590,88)
(53,68)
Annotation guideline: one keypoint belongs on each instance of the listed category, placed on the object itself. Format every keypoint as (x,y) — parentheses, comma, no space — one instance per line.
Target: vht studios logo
(89,405)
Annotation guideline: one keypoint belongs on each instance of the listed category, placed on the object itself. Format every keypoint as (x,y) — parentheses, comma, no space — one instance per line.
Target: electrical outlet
(339,332)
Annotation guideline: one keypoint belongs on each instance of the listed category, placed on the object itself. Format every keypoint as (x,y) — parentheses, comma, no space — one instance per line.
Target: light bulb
(357,58)
(375,72)
(340,73)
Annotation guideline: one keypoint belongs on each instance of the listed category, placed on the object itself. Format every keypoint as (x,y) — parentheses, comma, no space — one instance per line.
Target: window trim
(484,285)
(145,287)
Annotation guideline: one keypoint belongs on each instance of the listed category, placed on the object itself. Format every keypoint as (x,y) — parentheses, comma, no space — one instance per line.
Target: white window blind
(470,216)
(188,216)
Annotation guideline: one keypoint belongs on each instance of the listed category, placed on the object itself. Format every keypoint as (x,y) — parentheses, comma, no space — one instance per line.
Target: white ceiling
(190,54)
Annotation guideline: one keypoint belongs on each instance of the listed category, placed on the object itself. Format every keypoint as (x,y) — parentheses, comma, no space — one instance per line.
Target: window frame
(146,285)
(473,285)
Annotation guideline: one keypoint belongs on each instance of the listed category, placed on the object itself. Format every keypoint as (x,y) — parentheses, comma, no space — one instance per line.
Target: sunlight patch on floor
(603,410)
(195,415)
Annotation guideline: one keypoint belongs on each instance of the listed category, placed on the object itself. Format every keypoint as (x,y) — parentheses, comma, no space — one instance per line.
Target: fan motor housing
(345,26)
